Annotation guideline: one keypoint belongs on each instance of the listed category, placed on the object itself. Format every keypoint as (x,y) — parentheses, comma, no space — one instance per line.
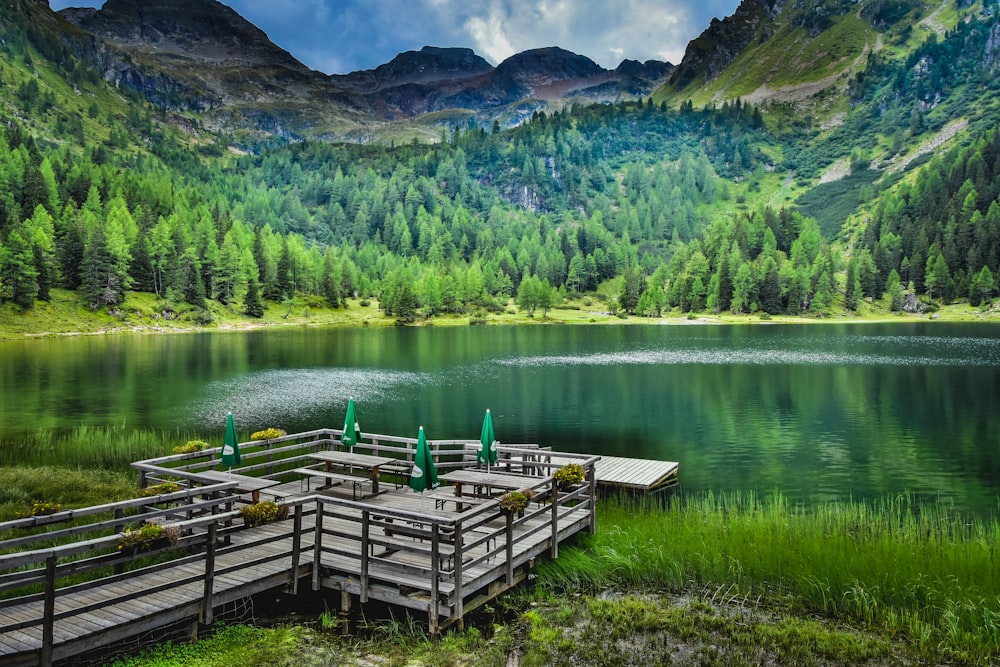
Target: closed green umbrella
(231,445)
(352,429)
(424,473)
(488,451)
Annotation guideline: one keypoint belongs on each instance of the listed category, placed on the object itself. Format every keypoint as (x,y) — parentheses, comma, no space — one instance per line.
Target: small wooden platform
(636,474)
(617,472)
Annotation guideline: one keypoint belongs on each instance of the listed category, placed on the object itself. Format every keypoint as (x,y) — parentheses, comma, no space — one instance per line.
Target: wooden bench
(356,482)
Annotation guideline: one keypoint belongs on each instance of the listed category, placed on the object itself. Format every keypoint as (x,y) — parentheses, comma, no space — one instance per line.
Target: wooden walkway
(68,590)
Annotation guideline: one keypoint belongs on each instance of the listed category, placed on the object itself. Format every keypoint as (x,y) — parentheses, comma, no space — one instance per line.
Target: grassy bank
(914,572)
(106,447)
(706,580)
(145,313)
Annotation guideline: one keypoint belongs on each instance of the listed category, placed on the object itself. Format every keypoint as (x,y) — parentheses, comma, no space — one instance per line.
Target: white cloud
(489,36)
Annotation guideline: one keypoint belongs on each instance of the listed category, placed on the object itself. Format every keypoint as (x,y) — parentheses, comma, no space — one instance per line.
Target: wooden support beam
(554,545)
(49,611)
(509,547)
(434,611)
(296,548)
(318,546)
(459,555)
(365,550)
(207,602)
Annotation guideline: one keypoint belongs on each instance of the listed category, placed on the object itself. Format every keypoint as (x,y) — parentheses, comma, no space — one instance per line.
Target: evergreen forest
(653,206)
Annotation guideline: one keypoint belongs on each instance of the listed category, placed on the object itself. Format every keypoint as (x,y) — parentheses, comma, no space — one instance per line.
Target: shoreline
(144,314)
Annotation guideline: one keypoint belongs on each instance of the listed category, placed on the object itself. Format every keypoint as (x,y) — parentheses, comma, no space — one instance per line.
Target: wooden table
(245,483)
(351,460)
(491,480)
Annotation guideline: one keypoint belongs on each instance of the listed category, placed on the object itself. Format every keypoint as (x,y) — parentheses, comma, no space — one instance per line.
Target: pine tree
(18,276)
(252,305)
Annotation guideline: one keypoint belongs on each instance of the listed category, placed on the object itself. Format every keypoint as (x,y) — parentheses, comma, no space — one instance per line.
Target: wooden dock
(636,474)
(66,588)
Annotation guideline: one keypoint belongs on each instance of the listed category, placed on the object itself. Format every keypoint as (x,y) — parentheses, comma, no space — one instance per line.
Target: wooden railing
(272,459)
(449,555)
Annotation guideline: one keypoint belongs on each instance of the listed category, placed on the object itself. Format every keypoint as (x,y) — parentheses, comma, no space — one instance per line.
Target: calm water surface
(816,412)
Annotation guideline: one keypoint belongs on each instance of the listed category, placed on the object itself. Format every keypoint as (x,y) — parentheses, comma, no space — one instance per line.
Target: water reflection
(817,412)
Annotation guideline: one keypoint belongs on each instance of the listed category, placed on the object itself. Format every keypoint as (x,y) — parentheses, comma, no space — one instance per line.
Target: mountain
(435,79)
(809,156)
(792,51)
(202,56)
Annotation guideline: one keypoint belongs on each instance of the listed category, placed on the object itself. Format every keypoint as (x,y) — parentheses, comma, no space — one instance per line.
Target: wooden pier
(68,589)
(616,472)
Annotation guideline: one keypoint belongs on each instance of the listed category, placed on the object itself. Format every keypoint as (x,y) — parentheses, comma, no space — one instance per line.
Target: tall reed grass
(912,570)
(110,447)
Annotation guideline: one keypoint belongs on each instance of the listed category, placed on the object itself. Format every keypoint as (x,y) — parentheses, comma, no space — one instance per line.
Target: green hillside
(827,205)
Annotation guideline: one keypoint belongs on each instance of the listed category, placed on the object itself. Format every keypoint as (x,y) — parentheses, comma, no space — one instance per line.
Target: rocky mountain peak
(429,65)
(551,62)
(204,29)
(719,44)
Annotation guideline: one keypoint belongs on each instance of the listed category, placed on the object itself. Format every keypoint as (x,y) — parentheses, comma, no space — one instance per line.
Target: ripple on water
(268,397)
(976,356)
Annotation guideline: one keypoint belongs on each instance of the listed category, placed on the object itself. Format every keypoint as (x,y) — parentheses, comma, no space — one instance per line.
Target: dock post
(317,545)
(117,528)
(510,548)
(206,600)
(49,612)
(365,525)
(554,551)
(592,481)
(459,593)
(434,610)
(296,547)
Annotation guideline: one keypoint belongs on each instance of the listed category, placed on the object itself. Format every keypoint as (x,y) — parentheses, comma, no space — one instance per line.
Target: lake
(817,412)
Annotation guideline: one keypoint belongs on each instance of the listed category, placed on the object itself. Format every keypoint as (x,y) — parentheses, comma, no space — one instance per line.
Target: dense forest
(660,208)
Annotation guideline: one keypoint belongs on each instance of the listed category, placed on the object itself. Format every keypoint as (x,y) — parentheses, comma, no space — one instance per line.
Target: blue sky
(339,36)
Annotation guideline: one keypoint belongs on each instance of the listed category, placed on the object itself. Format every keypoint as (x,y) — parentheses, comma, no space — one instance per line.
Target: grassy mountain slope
(647,207)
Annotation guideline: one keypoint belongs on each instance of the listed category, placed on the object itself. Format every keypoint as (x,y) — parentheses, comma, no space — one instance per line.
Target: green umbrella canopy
(488,452)
(424,473)
(231,445)
(352,429)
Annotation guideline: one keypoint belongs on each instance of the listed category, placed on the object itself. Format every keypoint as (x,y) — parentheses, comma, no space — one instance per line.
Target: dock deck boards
(633,474)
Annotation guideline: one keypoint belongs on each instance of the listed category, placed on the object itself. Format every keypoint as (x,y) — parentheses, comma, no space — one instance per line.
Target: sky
(340,36)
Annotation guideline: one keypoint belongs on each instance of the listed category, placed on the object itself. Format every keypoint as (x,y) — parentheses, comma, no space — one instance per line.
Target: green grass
(895,567)
(394,643)
(106,447)
(70,487)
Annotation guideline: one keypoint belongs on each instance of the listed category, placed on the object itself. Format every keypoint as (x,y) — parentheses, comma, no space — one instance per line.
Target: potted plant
(191,446)
(157,489)
(258,514)
(268,434)
(514,502)
(146,537)
(569,475)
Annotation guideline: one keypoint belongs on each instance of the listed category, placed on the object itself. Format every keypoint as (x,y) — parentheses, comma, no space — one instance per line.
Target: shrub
(257,514)
(268,434)
(191,446)
(568,475)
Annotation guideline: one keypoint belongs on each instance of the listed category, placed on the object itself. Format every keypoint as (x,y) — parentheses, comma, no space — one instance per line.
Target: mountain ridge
(205,57)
